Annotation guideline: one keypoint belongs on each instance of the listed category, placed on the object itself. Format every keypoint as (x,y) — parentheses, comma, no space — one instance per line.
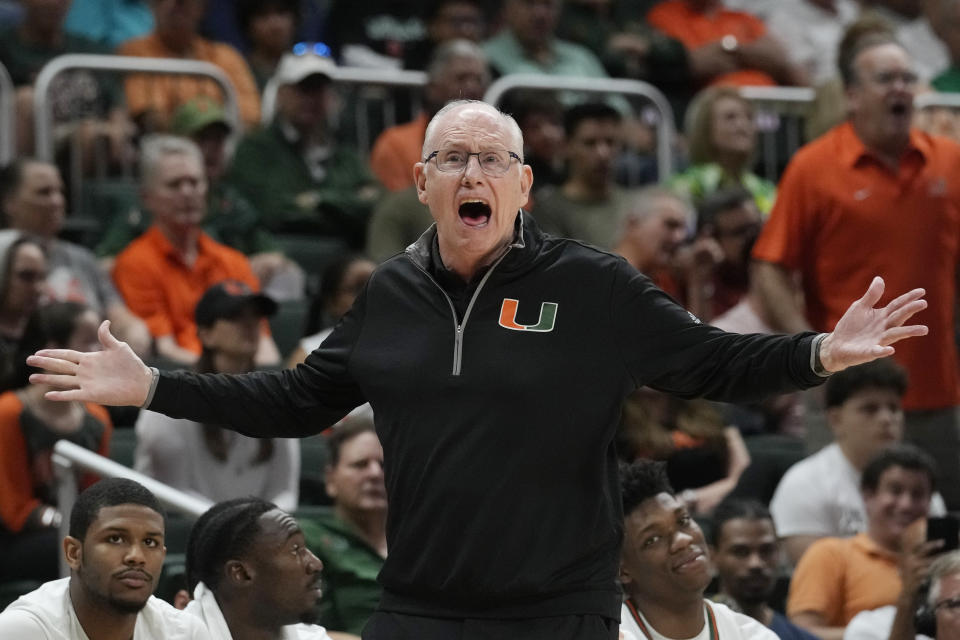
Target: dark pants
(30,556)
(394,626)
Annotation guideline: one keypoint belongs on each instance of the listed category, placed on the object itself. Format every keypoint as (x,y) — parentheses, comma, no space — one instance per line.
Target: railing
(67,457)
(666,129)
(779,109)
(356,76)
(129,64)
(8,125)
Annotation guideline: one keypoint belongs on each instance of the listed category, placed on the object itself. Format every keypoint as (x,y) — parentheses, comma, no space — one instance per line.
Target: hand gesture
(865,333)
(113,376)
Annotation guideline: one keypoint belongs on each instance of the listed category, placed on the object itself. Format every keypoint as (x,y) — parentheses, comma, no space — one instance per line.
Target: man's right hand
(114,376)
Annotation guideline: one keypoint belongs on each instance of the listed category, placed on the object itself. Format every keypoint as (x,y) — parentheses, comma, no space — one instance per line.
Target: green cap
(197,113)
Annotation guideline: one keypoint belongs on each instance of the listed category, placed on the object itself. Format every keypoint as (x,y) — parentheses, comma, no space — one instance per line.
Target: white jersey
(204,606)
(720,623)
(47,614)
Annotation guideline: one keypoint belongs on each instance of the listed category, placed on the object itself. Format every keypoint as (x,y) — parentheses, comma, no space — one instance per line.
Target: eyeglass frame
(950,604)
(436,161)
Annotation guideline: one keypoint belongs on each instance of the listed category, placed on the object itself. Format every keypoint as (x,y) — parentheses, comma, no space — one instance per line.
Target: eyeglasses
(492,163)
(888,78)
(951,604)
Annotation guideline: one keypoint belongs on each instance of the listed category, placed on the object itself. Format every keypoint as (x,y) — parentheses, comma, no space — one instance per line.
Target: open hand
(865,333)
(112,376)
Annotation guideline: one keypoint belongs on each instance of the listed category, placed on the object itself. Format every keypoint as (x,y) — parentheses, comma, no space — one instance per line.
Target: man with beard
(664,567)
(745,555)
(115,552)
(251,573)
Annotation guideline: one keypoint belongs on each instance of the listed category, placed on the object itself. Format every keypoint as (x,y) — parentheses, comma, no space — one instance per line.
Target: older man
(496,360)
(294,171)
(862,199)
(163,273)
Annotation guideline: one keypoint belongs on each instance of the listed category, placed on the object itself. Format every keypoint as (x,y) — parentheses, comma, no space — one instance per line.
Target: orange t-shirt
(164,93)
(160,288)
(695,29)
(840,577)
(395,152)
(843,217)
(19,474)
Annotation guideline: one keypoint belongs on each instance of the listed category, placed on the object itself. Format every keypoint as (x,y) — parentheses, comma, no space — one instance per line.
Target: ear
(624,577)
(420,179)
(203,334)
(73,552)
(238,572)
(328,481)
(833,421)
(526,183)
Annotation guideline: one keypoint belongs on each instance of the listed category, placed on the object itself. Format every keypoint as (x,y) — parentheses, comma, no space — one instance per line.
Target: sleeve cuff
(155,377)
(815,363)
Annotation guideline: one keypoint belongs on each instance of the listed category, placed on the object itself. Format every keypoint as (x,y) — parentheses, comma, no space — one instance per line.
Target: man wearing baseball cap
(293,170)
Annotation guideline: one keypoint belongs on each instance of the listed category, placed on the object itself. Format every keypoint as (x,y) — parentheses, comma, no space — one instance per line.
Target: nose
(681,540)
(134,555)
(314,564)
(754,561)
(472,173)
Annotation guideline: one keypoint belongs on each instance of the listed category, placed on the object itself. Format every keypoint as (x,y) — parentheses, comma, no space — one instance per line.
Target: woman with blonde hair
(722,139)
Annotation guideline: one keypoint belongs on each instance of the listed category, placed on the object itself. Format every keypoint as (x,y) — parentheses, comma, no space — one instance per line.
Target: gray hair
(642,202)
(508,120)
(946,565)
(450,51)
(156,147)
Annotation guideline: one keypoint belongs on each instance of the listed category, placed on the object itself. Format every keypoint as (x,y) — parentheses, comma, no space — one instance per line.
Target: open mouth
(899,109)
(474,213)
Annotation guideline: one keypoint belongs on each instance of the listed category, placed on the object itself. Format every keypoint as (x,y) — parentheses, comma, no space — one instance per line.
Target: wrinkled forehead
(475,126)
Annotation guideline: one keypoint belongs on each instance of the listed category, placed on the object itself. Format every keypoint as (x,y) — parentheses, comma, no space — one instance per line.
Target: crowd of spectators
(202,254)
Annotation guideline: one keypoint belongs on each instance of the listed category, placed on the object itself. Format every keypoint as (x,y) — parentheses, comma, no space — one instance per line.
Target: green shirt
(948,81)
(351,592)
(591,221)
(270,170)
(702,180)
(397,222)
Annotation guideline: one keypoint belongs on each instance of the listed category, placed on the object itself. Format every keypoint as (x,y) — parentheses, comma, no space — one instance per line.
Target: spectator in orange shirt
(457,71)
(727,47)
(166,270)
(30,425)
(152,99)
(873,195)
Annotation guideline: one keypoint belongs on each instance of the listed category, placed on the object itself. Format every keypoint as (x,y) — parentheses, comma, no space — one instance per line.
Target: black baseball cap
(228,299)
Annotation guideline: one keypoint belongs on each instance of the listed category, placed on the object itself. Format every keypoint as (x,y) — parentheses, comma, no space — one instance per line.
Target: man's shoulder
(42,613)
(159,620)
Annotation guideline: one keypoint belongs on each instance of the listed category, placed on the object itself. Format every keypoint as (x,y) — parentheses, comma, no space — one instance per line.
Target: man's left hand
(865,333)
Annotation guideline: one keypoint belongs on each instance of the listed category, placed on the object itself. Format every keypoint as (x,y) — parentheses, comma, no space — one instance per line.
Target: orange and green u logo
(508,316)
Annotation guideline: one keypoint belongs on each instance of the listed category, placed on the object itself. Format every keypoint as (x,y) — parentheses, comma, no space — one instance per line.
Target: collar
(866,544)
(852,150)
(425,252)
(204,605)
(155,237)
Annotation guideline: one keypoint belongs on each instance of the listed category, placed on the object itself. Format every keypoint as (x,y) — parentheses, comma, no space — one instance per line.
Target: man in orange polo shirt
(163,273)
(727,47)
(874,196)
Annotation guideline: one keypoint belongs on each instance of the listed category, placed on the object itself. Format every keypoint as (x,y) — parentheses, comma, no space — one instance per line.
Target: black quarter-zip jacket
(498,421)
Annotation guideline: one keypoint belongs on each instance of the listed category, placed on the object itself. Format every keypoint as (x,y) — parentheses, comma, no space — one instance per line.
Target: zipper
(458,328)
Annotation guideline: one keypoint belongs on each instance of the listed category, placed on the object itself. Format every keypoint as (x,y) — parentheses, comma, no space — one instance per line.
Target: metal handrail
(936,99)
(666,128)
(347,75)
(44,143)
(67,456)
(8,126)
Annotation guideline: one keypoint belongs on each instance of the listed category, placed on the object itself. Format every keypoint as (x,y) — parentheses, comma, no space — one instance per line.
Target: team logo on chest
(508,316)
